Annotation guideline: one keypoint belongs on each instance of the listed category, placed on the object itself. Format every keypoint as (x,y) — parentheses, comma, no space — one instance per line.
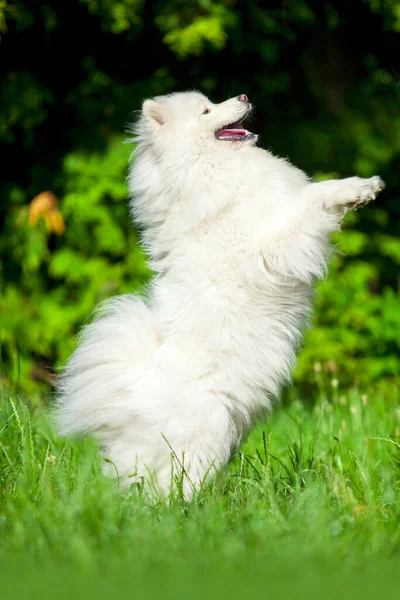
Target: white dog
(172,385)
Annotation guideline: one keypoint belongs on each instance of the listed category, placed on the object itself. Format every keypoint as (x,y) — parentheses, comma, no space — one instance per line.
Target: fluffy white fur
(172,384)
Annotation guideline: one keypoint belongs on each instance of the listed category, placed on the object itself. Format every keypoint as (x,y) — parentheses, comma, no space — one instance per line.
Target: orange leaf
(44,205)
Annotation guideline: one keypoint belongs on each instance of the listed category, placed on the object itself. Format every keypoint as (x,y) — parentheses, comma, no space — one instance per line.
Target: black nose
(243,98)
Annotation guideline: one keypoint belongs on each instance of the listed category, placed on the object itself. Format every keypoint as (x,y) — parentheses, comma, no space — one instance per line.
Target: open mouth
(234,132)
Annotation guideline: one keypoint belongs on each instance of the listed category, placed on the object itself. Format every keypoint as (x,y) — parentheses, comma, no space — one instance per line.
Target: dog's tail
(113,351)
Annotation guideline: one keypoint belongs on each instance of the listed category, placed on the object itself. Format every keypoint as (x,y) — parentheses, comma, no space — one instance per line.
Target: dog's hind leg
(177,450)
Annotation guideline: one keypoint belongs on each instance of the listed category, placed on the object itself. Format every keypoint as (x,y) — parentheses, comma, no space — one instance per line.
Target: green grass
(312,507)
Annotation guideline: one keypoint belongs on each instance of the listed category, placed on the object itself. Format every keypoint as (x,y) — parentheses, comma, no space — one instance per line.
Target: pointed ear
(153,112)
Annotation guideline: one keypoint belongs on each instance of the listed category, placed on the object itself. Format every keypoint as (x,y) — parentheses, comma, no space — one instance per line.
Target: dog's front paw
(362,191)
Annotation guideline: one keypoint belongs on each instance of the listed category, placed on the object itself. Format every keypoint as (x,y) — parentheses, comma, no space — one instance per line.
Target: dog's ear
(153,112)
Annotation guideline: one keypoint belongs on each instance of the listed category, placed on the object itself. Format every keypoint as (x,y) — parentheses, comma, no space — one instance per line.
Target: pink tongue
(231,132)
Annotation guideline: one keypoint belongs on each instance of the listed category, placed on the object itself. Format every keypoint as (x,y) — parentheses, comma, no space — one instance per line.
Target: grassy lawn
(312,507)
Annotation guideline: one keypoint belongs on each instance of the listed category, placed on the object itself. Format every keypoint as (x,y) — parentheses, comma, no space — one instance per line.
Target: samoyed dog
(170,385)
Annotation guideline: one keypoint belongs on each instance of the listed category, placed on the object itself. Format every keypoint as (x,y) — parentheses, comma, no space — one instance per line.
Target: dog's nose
(243,98)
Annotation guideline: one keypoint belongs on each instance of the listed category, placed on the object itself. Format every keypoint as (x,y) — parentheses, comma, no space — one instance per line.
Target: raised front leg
(352,192)
(301,250)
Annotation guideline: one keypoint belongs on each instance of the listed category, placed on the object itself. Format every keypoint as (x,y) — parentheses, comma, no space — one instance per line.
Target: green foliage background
(325,78)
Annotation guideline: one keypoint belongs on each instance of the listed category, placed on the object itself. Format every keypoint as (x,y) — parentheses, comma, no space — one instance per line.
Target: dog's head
(191,116)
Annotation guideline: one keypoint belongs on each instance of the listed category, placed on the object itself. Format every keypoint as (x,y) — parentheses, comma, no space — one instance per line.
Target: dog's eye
(206,111)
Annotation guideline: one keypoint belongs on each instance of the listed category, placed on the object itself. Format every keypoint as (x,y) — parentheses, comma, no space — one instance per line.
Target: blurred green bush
(328,103)
(61,280)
